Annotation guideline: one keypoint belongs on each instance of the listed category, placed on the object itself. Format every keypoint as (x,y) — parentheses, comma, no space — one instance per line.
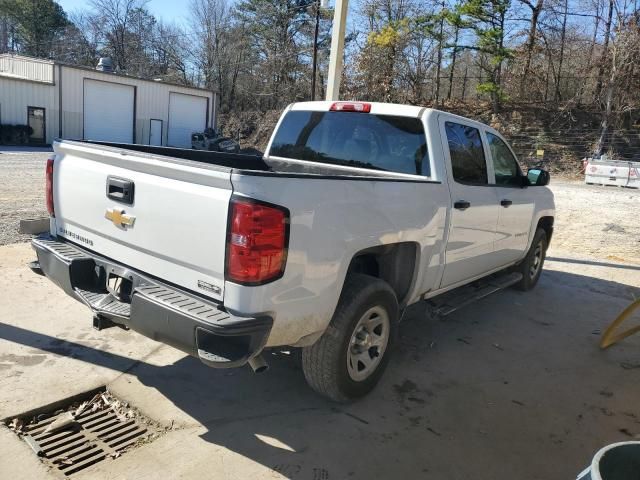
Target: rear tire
(531,266)
(348,360)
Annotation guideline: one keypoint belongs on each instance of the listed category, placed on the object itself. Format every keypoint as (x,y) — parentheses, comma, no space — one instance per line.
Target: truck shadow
(465,388)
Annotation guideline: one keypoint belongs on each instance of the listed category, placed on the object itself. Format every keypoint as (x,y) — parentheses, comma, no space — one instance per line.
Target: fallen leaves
(62,421)
(16,425)
(63,461)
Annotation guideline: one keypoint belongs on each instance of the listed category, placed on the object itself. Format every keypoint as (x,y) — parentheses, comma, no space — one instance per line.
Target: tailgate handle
(120,190)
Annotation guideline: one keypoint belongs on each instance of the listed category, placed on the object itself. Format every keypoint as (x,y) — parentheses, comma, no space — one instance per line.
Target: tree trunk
(556,95)
(605,50)
(439,65)
(531,41)
(4,35)
(608,108)
(453,61)
(315,53)
(592,47)
(464,83)
(606,117)
(497,71)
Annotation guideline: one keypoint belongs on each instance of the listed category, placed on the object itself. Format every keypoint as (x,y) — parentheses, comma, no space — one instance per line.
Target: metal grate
(92,436)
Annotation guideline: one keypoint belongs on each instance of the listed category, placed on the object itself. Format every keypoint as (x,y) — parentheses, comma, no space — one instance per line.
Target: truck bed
(178,210)
(251,164)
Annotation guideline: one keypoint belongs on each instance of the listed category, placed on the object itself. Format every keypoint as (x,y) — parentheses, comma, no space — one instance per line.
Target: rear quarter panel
(332,220)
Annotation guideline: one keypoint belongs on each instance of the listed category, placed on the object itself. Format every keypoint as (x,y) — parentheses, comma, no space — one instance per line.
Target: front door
(155,132)
(516,203)
(474,213)
(36,120)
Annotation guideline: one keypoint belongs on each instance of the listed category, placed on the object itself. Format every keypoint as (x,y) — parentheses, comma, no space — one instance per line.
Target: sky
(166,10)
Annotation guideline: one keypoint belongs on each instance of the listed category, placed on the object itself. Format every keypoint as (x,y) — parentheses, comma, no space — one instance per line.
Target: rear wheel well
(546,223)
(394,263)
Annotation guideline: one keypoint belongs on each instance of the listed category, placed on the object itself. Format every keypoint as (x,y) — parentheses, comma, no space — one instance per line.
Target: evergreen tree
(32,27)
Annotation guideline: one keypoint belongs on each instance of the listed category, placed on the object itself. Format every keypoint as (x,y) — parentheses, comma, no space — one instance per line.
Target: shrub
(15,134)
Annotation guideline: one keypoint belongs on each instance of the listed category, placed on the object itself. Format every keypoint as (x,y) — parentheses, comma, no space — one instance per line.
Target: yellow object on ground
(609,337)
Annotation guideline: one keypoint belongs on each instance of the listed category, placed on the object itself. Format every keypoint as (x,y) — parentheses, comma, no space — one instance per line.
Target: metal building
(67,101)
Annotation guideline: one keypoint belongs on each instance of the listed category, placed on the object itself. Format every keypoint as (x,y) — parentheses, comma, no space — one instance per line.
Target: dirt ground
(511,387)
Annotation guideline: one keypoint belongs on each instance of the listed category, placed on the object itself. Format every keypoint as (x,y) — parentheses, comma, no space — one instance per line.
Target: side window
(504,163)
(467,155)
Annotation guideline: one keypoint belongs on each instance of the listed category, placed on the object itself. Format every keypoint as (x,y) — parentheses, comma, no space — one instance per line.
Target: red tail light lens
(351,107)
(49,187)
(257,242)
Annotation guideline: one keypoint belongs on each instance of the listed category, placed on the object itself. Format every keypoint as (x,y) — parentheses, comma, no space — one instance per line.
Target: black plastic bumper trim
(162,312)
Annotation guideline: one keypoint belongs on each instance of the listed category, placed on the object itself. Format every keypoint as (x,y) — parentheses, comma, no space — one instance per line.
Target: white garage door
(108,111)
(187,114)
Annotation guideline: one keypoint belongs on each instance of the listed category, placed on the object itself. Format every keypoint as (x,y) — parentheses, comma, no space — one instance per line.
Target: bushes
(15,134)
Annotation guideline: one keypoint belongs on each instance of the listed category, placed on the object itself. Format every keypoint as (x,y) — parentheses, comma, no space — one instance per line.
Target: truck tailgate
(177,217)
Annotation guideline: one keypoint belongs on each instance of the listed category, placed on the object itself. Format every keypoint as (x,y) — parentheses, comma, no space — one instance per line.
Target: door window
(505,165)
(467,155)
(35,119)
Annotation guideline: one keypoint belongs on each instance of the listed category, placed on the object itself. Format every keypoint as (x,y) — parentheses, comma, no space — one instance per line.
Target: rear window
(377,142)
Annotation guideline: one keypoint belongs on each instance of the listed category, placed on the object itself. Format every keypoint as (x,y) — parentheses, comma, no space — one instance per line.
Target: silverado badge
(119,218)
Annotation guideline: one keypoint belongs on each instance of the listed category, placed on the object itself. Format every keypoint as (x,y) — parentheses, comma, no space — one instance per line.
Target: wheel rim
(368,343)
(536,261)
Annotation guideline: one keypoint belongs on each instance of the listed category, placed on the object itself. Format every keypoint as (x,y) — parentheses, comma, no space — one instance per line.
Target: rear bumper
(159,311)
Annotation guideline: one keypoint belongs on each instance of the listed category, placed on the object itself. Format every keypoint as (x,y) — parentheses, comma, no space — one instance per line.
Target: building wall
(16,95)
(152,101)
(33,82)
(25,67)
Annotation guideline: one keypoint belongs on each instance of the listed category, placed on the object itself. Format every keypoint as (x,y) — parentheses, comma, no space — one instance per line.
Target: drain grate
(100,428)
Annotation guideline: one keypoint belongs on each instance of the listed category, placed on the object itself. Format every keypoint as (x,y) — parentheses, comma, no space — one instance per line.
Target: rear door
(155,132)
(166,218)
(474,212)
(517,204)
(36,120)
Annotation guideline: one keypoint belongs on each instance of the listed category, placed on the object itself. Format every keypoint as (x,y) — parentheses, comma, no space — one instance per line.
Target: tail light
(257,242)
(49,186)
(351,107)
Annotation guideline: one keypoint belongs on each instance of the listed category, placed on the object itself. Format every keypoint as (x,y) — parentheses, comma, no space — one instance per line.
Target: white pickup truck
(355,211)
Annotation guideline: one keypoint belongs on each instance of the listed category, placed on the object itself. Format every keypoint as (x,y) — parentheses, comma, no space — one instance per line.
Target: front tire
(531,266)
(348,360)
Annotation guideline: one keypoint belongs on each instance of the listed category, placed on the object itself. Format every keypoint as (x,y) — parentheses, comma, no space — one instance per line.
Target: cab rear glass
(378,142)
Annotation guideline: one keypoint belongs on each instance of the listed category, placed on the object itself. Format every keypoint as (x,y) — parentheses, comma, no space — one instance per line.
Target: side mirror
(538,177)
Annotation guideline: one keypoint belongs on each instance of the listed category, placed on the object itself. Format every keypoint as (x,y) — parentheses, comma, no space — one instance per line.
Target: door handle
(461,204)
(120,190)
(505,203)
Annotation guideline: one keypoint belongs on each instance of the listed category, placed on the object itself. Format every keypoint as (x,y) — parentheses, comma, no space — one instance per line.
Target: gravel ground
(597,221)
(593,221)
(22,192)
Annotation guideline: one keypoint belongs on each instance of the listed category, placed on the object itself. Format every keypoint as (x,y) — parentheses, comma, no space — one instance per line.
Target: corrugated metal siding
(17,95)
(25,68)
(43,81)
(152,101)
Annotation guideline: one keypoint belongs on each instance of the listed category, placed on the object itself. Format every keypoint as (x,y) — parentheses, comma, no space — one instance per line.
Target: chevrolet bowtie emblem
(119,218)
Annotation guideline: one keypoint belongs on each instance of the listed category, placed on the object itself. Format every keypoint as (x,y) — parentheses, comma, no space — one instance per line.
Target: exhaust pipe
(258,364)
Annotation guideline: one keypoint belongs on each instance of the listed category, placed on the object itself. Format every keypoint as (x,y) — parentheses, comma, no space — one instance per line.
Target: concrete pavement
(513,386)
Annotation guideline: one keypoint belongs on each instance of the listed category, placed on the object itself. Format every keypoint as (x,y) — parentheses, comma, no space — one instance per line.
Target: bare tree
(115,18)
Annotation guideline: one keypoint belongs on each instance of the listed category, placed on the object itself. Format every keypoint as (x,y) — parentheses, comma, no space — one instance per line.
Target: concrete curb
(33,226)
